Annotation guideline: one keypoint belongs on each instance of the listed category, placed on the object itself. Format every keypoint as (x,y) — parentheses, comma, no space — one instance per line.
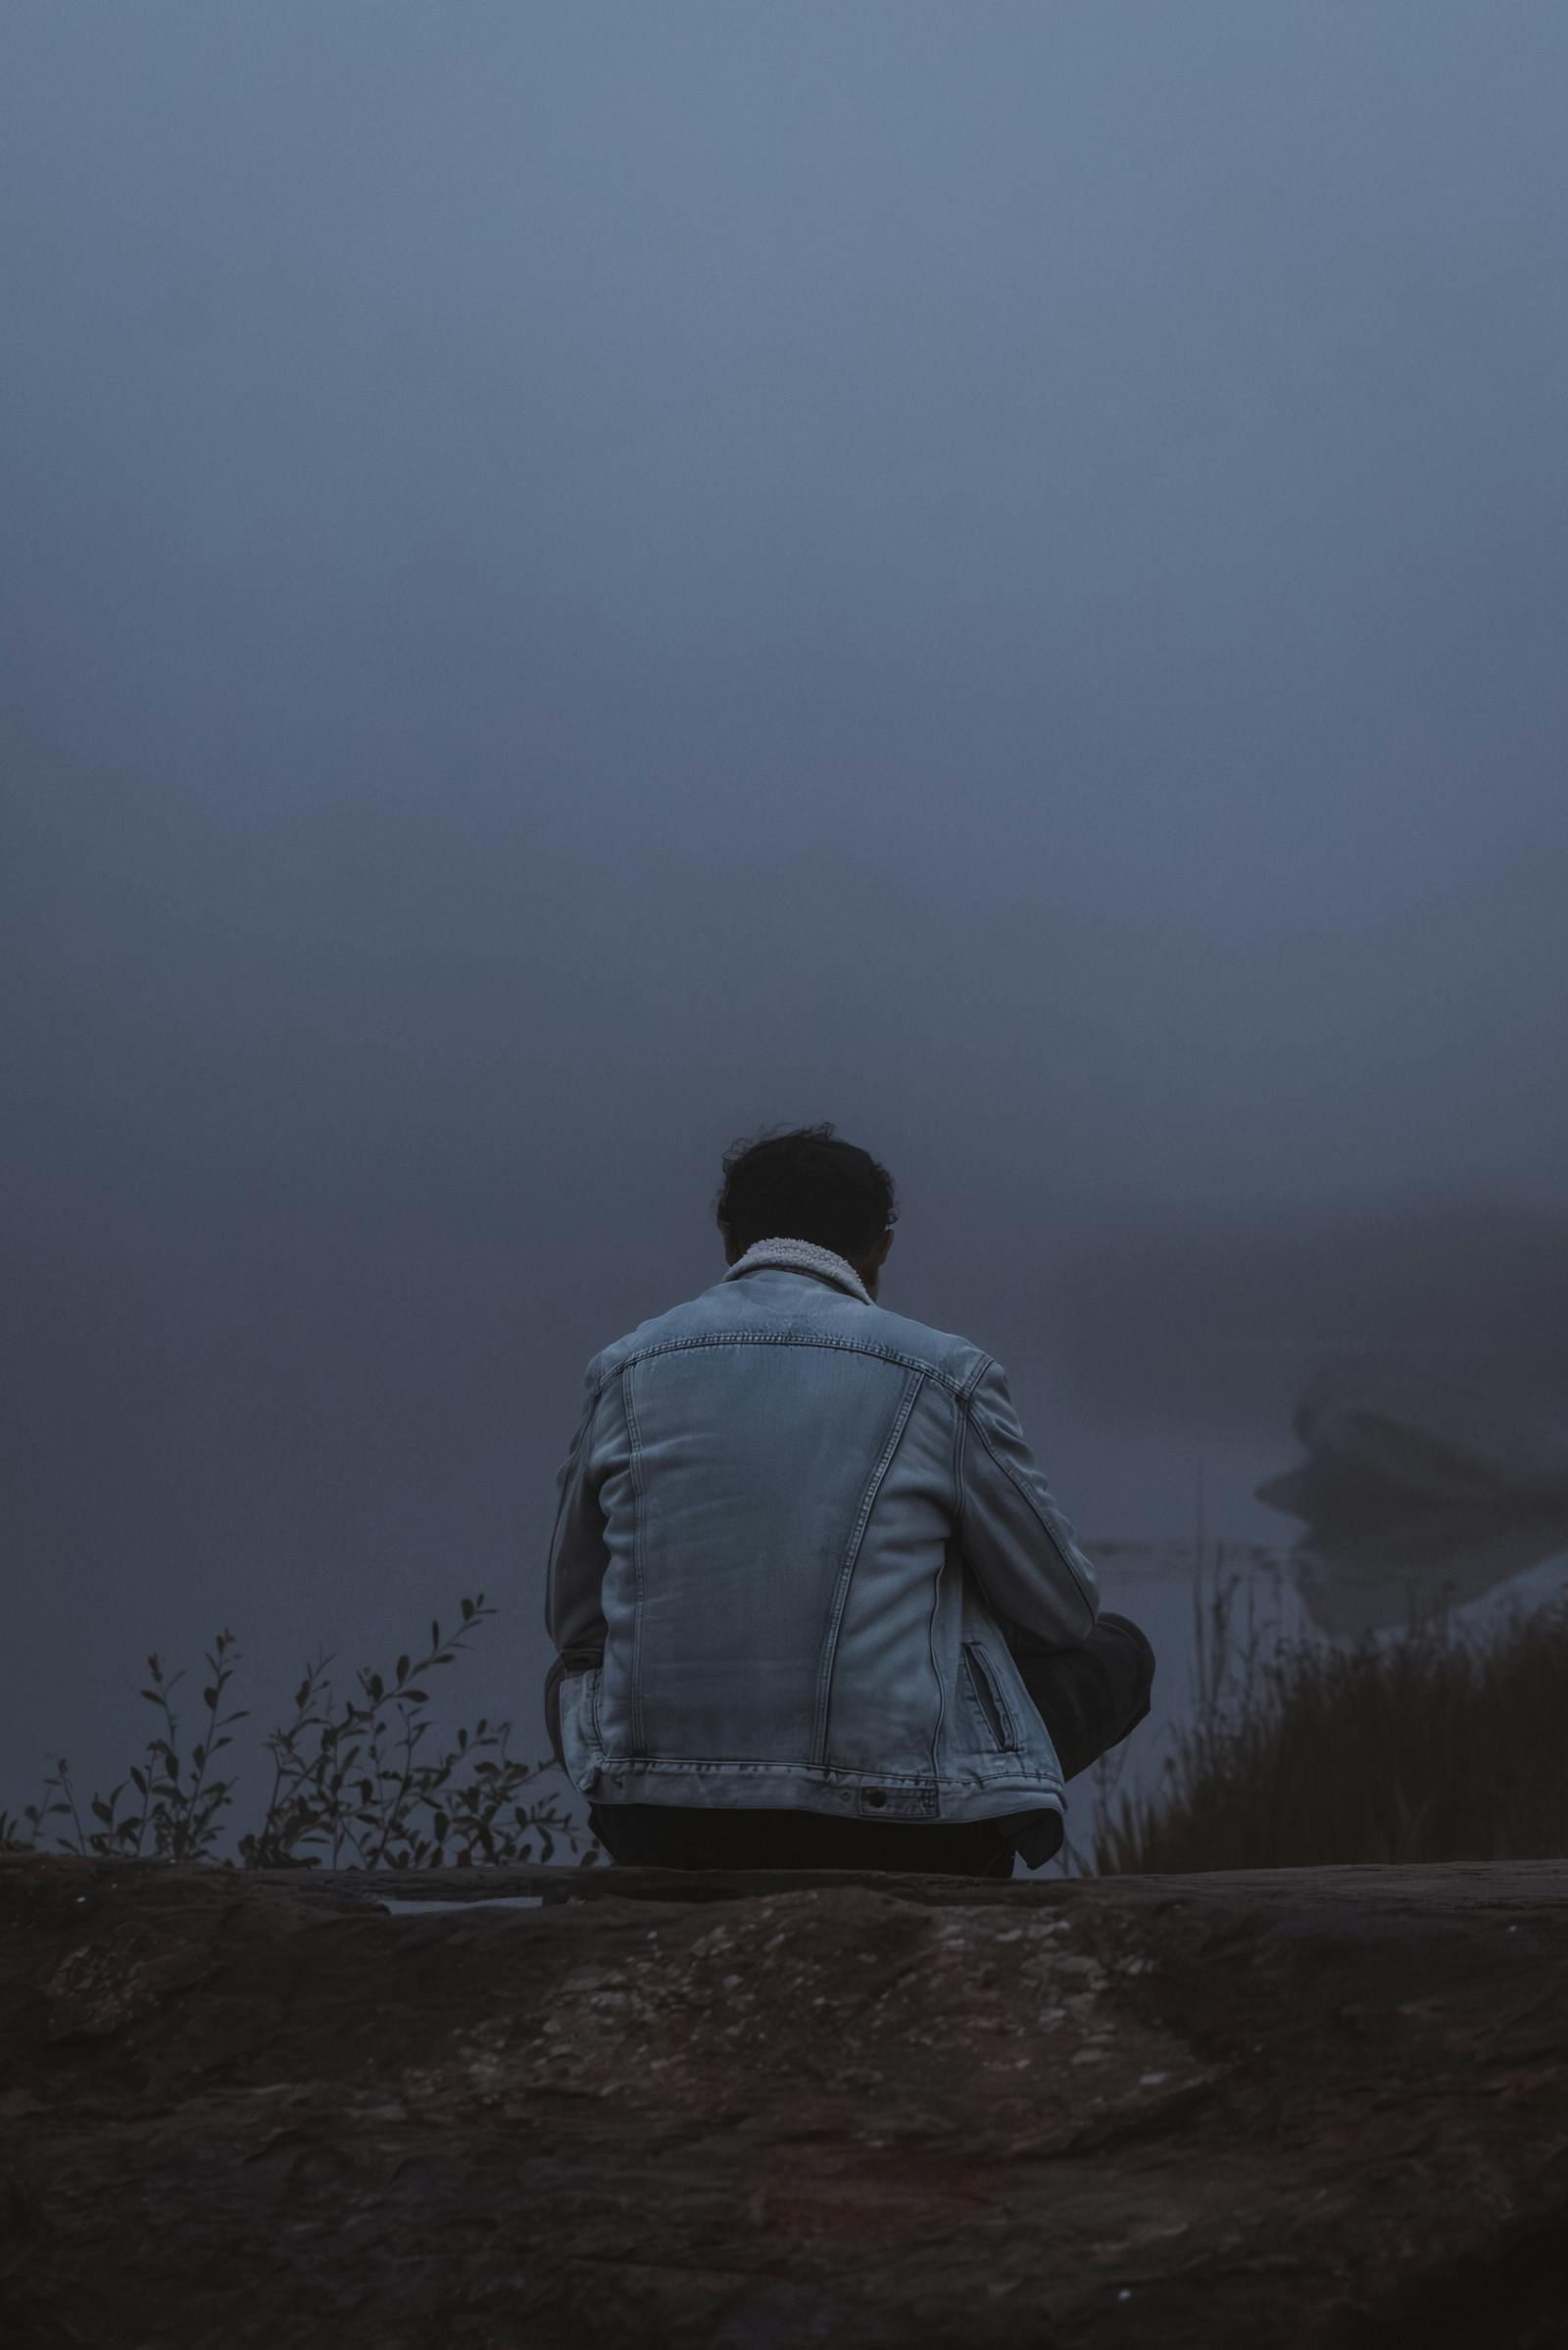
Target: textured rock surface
(1313,2108)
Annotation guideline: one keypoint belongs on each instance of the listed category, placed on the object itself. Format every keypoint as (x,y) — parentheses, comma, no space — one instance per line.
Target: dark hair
(805,1185)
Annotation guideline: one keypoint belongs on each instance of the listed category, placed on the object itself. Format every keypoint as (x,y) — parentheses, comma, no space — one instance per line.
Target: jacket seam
(825,1691)
(1045,1523)
(852,1774)
(936,1668)
(638,1610)
(778,1337)
(960,1420)
(960,1503)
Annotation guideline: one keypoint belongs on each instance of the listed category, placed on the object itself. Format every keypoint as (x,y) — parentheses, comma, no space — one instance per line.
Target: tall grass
(1436,1744)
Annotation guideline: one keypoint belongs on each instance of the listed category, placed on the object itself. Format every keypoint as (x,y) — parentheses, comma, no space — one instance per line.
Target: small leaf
(403,1669)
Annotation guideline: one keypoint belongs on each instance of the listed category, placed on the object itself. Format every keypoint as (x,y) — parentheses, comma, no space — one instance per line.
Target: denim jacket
(795,1536)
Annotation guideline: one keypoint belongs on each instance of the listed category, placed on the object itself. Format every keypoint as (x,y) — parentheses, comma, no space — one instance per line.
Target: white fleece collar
(802,1257)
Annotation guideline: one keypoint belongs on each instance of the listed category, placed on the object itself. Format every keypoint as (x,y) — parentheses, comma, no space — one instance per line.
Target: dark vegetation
(1438,1743)
(350,1786)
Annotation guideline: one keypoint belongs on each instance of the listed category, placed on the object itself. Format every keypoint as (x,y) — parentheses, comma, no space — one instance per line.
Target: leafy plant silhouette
(350,1786)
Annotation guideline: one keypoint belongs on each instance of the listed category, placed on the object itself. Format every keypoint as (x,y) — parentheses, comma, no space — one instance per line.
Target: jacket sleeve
(575,1574)
(1012,1536)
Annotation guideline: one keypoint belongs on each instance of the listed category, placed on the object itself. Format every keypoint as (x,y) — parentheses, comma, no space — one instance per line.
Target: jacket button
(875,1797)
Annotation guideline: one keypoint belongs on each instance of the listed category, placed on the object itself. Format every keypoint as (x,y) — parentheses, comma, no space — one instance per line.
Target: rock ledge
(1310,2108)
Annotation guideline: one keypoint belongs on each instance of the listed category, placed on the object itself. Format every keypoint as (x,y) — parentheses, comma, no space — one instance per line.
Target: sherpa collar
(802,1257)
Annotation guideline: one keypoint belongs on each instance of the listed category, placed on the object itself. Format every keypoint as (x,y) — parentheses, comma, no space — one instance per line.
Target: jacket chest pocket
(993,1705)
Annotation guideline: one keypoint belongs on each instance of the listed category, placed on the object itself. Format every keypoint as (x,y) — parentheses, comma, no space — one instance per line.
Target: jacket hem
(776,1786)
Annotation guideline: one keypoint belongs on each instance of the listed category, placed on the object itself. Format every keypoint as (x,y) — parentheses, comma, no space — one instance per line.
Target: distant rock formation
(1417,1479)
(1320,2108)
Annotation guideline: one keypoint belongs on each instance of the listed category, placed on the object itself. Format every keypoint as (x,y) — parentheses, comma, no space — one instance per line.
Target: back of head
(805,1185)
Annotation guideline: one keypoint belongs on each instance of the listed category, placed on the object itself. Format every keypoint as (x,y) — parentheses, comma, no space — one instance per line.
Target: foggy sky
(581,581)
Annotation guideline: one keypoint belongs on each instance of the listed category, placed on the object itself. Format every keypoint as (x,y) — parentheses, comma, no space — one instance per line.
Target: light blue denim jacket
(794,1538)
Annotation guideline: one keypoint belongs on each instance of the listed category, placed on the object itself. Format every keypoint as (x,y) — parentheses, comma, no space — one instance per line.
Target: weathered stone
(1313,2108)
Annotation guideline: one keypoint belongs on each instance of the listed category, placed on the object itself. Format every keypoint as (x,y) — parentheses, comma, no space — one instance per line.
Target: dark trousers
(1089,1698)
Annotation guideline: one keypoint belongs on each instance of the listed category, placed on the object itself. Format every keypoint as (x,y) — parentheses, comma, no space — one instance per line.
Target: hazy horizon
(585,582)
